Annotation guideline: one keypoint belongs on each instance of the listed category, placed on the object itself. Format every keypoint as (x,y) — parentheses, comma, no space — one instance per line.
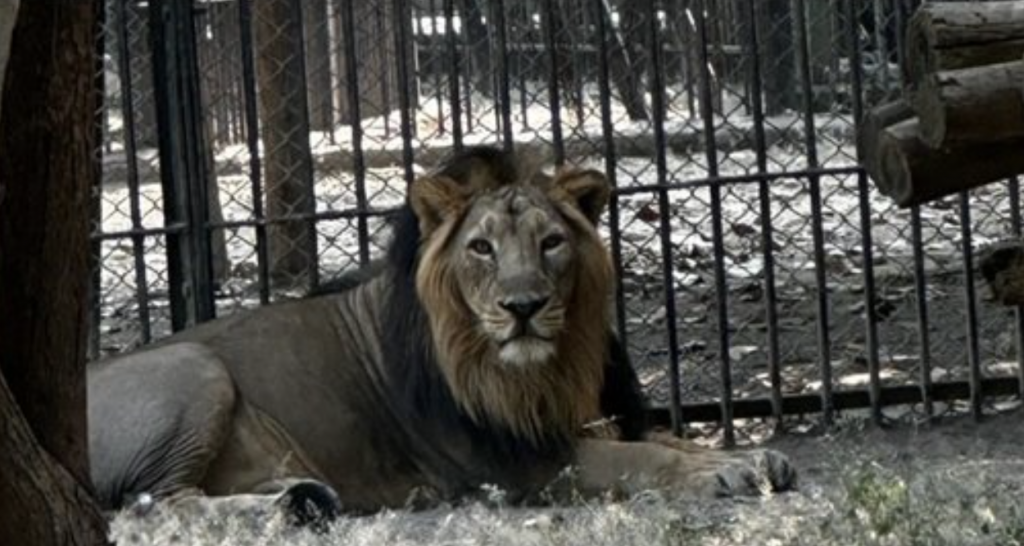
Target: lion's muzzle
(523,308)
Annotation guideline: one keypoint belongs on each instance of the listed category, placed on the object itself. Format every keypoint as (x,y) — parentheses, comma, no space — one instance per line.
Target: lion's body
(309,375)
(476,355)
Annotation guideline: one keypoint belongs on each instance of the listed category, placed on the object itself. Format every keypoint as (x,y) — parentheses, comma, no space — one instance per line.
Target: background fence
(254,148)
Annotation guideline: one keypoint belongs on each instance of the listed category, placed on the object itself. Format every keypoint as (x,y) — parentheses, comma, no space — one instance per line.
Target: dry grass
(949,485)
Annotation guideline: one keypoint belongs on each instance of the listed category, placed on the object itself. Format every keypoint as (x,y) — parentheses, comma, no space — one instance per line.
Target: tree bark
(976,104)
(8,13)
(49,140)
(285,132)
(954,35)
(41,502)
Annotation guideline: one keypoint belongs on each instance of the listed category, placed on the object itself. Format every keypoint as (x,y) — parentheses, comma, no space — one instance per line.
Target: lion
(480,352)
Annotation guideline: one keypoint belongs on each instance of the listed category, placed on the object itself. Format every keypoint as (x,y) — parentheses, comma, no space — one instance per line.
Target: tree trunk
(376,70)
(33,484)
(8,13)
(778,61)
(318,65)
(626,72)
(285,132)
(477,34)
(49,135)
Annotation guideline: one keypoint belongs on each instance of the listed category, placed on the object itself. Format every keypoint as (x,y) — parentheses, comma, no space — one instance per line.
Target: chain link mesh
(331,143)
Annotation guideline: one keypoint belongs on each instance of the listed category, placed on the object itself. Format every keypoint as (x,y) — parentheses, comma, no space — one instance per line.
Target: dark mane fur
(420,391)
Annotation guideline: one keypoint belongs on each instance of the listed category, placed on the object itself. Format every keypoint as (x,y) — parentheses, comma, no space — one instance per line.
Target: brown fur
(532,402)
(380,398)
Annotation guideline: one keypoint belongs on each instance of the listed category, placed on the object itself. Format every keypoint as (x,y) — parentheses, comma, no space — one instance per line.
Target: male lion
(477,354)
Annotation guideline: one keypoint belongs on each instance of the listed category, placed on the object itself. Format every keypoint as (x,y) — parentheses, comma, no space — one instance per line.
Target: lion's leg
(157,419)
(631,467)
(305,503)
(257,451)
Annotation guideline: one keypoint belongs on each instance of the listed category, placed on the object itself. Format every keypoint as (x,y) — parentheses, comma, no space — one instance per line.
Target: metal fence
(254,148)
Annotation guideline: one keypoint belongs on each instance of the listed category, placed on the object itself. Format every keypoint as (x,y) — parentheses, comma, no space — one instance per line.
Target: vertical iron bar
(131,163)
(921,293)
(765,200)
(453,73)
(611,168)
(814,182)
(403,46)
(385,87)
(436,56)
(172,105)
(525,34)
(1013,187)
(469,65)
(665,221)
(165,103)
(867,239)
(722,307)
(348,30)
(504,92)
(973,351)
(554,97)
(252,141)
(198,175)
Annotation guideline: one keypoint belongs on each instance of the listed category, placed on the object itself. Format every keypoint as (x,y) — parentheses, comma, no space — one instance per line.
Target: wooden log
(980,103)
(874,122)
(1002,266)
(955,35)
(911,172)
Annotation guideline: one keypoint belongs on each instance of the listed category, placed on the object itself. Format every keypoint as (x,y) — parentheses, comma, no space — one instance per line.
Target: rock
(1002,266)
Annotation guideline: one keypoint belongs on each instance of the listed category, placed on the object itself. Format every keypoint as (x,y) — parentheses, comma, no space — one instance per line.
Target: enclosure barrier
(255,148)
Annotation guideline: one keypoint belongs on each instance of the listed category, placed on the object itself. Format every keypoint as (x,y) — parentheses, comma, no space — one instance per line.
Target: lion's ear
(435,198)
(588,189)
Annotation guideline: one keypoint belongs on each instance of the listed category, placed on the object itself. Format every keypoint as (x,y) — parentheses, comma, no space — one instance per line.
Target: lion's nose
(524,308)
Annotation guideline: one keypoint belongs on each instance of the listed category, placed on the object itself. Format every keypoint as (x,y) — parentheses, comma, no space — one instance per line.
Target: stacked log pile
(960,123)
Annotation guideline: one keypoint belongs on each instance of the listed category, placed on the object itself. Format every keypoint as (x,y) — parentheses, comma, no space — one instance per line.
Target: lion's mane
(509,414)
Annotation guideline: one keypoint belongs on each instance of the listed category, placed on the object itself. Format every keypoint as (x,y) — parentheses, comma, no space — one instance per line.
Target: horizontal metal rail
(811,403)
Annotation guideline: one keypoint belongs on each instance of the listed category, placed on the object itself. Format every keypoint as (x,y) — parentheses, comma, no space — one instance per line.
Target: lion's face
(515,280)
(514,259)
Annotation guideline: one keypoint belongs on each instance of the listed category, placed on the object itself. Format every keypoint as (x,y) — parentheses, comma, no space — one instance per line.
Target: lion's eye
(481,247)
(552,242)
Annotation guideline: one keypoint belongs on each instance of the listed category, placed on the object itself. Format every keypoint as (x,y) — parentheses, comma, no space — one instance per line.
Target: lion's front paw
(753,473)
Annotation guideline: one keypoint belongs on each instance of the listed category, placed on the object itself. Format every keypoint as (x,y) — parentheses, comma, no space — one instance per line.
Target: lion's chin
(526,351)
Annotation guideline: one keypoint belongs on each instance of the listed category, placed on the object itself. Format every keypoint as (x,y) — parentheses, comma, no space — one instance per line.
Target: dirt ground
(954,482)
